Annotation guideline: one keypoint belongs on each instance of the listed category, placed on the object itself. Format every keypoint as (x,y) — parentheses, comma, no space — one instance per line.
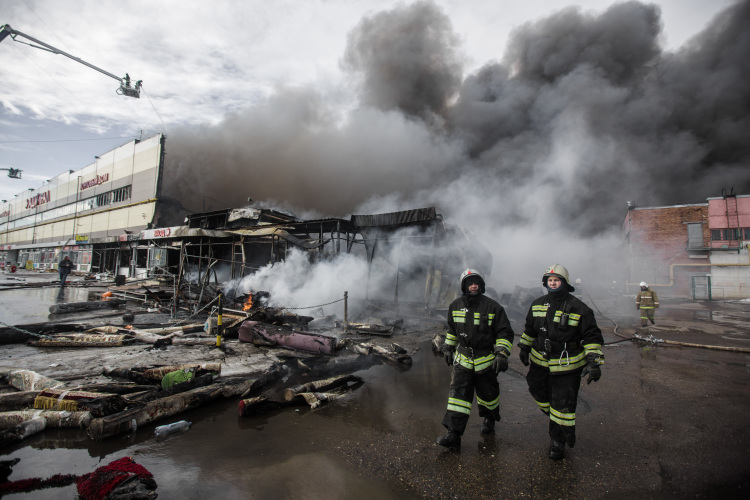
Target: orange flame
(248,302)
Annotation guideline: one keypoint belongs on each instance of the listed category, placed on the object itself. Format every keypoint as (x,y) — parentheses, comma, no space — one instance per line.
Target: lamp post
(75,209)
(33,232)
(7,222)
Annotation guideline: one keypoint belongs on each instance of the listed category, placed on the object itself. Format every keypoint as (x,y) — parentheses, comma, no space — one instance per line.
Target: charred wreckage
(189,300)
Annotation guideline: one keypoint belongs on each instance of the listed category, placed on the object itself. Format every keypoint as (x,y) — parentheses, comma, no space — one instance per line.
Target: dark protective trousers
(557,396)
(463,384)
(647,314)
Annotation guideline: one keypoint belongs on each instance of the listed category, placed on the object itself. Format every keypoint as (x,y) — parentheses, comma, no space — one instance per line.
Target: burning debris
(393,262)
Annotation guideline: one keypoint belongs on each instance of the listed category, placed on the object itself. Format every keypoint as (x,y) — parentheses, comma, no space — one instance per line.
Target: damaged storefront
(413,256)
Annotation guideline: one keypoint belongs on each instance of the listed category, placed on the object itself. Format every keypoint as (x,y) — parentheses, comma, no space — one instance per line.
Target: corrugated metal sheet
(395,218)
(274,231)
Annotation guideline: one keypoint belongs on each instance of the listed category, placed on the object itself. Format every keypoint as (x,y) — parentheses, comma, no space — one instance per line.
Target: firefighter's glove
(448,352)
(592,368)
(524,355)
(501,363)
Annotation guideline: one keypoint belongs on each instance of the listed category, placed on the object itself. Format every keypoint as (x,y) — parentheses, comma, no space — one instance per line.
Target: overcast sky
(200,60)
(530,122)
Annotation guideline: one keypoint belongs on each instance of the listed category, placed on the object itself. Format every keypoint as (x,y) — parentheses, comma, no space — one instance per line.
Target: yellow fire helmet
(560,272)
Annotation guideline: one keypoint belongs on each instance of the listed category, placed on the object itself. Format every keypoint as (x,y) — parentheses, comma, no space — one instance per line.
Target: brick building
(697,251)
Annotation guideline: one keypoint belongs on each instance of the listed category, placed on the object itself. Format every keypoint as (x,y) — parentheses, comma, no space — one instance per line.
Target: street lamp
(75,209)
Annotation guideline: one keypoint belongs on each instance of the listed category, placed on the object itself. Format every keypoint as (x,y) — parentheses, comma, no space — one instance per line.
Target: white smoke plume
(538,154)
(297,283)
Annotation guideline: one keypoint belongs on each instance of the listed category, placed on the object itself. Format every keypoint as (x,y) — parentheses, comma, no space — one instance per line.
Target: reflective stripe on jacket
(561,333)
(647,299)
(479,327)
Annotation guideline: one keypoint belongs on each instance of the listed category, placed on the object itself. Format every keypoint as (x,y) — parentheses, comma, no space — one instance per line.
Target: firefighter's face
(554,282)
(473,287)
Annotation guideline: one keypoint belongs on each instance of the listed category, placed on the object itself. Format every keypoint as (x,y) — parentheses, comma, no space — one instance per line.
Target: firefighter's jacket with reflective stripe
(561,332)
(646,299)
(477,328)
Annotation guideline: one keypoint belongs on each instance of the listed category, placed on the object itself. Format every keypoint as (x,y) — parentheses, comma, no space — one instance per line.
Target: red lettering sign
(99,179)
(162,233)
(38,199)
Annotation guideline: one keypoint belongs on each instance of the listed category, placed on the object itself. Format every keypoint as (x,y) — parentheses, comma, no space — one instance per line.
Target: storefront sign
(164,232)
(82,238)
(99,179)
(38,199)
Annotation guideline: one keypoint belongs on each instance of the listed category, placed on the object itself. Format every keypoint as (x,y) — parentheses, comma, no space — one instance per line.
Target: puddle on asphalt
(31,305)
(289,453)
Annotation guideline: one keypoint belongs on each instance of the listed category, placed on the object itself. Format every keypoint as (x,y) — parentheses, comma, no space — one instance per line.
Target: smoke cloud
(538,153)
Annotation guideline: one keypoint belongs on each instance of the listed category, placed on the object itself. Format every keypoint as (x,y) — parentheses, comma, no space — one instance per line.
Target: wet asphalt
(665,421)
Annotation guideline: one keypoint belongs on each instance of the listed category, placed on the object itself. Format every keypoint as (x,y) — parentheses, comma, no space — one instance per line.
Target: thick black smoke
(638,124)
(584,113)
(408,58)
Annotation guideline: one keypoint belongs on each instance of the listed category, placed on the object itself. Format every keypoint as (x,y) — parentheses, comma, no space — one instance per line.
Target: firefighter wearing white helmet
(646,301)
(477,346)
(561,343)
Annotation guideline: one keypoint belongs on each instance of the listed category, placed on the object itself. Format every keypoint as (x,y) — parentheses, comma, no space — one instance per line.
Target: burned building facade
(414,258)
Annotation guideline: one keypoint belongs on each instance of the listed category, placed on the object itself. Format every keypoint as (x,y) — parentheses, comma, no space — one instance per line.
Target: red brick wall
(658,241)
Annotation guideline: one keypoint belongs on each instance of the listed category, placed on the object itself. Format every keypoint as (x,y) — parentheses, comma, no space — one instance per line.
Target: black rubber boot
(557,450)
(488,427)
(451,440)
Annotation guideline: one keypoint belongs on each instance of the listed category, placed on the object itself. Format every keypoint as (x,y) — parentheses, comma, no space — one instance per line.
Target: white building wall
(733,280)
(135,164)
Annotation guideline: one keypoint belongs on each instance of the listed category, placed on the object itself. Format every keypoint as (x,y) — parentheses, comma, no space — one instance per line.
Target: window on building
(732,234)
(695,234)
(103,199)
(747,234)
(121,194)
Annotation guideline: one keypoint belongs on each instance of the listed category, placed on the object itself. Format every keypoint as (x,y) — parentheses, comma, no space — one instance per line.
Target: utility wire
(164,127)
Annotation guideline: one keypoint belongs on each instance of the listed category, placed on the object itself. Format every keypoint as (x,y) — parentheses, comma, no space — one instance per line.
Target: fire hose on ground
(655,341)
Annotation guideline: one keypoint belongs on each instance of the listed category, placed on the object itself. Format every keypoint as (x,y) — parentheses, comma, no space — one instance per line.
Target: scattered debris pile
(312,368)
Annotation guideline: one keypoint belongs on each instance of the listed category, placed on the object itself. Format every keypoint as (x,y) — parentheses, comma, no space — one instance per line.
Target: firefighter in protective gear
(477,346)
(561,343)
(646,301)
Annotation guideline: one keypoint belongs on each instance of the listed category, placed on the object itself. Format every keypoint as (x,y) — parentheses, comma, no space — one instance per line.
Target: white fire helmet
(643,284)
(471,273)
(560,272)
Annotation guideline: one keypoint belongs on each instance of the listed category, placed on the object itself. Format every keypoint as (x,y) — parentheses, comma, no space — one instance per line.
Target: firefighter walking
(561,343)
(477,346)
(646,301)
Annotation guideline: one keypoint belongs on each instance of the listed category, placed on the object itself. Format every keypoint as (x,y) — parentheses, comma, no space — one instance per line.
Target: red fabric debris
(100,483)
(93,486)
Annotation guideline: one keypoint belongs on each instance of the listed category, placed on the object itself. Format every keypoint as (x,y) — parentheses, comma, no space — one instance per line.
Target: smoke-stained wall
(538,151)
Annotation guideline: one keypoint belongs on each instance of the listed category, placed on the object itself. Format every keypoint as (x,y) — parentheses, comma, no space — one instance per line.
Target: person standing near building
(66,265)
(646,301)
(477,346)
(561,344)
